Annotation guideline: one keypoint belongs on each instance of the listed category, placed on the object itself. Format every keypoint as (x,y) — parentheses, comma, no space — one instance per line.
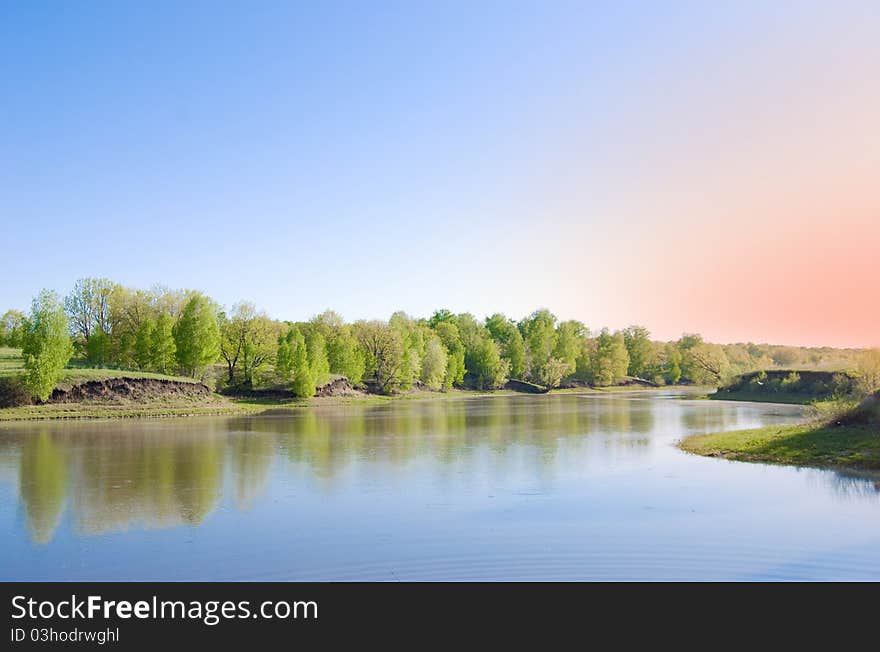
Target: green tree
(345,355)
(672,366)
(319,367)
(539,334)
(570,336)
(97,348)
(88,307)
(163,349)
(12,328)
(505,332)
(486,366)
(869,371)
(707,364)
(46,347)
(384,351)
(552,372)
(284,355)
(434,364)
(247,338)
(441,316)
(640,349)
(413,339)
(197,336)
(143,346)
(610,359)
(304,383)
(447,331)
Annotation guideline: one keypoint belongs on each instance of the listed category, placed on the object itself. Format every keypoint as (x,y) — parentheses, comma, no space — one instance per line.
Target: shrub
(791,382)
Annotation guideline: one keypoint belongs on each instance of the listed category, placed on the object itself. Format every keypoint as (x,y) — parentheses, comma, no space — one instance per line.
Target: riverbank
(850,440)
(219,405)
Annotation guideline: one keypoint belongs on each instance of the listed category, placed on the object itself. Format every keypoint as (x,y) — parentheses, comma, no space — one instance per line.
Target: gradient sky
(687,166)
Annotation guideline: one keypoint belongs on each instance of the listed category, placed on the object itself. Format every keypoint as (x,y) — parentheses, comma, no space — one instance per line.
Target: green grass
(12,364)
(71,377)
(765,397)
(808,444)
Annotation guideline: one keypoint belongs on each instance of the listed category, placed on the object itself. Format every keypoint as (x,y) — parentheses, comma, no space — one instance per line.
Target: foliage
(508,337)
(539,335)
(12,329)
(163,348)
(434,364)
(448,333)
(247,338)
(46,344)
(384,350)
(609,360)
(319,367)
(869,371)
(197,336)
(638,344)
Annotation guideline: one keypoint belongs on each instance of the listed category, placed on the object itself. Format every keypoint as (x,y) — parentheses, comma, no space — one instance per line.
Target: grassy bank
(763,397)
(12,365)
(822,446)
(796,386)
(849,440)
(218,405)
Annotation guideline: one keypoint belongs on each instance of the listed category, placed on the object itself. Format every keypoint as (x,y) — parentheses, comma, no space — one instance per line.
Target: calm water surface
(502,488)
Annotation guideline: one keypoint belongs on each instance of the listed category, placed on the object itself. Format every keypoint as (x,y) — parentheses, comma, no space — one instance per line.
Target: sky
(688,166)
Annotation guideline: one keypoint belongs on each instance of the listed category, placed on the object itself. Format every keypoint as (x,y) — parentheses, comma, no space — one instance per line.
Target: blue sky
(362,156)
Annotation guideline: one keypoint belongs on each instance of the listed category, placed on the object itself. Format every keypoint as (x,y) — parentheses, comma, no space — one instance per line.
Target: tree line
(104,324)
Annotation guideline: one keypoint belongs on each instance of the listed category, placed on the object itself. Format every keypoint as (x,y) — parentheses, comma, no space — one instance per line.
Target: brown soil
(124,390)
(338,387)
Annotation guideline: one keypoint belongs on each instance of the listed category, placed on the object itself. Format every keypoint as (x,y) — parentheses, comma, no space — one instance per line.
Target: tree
(97,348)
(88,307)
(384,351)
(640,349)
(539,334)
(143,346)
(303,380)
(12,328)
(441,316)
(434,364)
(345,355)
(570,336)
(707,363)
(258,347)
(447,331)
(284,355)
(505,332)
(672,364)
(610,359)
(486,366)
(869,371)
(163,348)
(319,367)
(46,347)
(197,336)
(552,372)
(685,343)
(246,337)
(413,339)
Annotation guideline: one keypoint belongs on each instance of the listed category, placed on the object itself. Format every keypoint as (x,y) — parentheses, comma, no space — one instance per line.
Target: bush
(791,382)
(758,381)
(842,386)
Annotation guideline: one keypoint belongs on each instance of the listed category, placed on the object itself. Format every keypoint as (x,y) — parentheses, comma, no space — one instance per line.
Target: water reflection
(43,484)
(114,476)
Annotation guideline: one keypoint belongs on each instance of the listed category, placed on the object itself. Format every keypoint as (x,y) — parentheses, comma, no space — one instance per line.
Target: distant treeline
(103,324)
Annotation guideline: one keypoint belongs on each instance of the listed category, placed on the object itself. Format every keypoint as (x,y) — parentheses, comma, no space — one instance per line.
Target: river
(552,487)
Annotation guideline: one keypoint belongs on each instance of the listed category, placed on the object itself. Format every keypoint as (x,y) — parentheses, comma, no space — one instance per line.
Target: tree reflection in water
(159,474)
